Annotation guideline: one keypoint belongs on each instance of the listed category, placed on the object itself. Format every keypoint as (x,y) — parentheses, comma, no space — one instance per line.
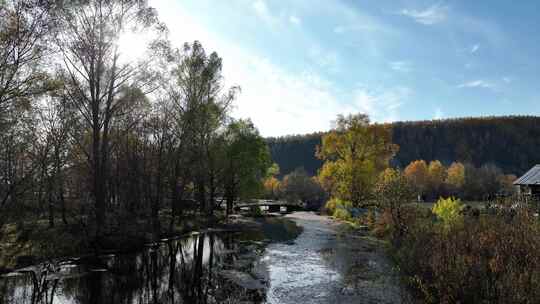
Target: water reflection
(189,270)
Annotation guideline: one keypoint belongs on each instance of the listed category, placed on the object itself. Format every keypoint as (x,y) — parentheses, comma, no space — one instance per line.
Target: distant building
(529,184)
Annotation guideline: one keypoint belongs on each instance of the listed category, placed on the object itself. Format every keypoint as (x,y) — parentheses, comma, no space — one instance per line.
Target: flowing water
(289,260)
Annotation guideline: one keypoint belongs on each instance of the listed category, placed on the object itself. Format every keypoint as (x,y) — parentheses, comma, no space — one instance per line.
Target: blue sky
(302,62)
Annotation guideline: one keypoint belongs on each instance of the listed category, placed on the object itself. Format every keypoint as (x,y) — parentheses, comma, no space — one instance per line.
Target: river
(300,258)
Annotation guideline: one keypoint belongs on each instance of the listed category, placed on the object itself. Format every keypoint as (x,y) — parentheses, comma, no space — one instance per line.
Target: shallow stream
(299,259)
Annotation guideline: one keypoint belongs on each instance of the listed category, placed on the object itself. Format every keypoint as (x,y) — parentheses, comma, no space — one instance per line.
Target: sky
(300,63)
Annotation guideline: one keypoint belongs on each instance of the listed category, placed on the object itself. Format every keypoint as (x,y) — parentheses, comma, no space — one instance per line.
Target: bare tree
(88,37)
(23,36)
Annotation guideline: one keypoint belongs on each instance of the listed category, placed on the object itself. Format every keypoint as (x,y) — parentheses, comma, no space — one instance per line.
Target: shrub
(490,259)
(448,211)
(342,214)
(334,204)
(330,206)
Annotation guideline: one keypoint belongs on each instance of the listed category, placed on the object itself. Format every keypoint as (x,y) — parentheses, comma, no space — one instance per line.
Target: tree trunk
(201,193)
(63,205)
(230,202)
(51,204)
(99,198)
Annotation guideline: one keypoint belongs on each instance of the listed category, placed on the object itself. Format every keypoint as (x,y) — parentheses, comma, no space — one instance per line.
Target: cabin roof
(532,177)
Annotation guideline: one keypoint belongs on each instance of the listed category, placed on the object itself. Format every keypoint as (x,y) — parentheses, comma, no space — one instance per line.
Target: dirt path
(323,265)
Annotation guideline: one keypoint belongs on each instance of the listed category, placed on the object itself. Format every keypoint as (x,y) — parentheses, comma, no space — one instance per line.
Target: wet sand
(324,265)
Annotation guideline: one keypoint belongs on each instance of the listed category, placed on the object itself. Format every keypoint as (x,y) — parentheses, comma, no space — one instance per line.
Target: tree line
(89,135)
(434,180)
(507,142)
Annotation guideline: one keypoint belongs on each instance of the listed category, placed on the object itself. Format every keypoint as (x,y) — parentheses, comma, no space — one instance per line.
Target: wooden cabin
(529,183)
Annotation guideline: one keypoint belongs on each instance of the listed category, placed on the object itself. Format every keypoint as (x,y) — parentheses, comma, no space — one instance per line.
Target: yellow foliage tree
(456,176)
(392,192)
(437,175)
(354,153)
(417,173)
(271,187)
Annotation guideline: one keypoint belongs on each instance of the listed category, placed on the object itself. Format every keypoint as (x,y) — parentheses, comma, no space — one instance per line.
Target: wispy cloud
(507,79)
(382,106)
(262,10)
(295,20)
(432,15)
(477,84)
(400,66)
(475,48)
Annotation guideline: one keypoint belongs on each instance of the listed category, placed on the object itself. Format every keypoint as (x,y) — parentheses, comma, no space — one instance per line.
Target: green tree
(354,153)
(247,161)
(205,107)
(271,182)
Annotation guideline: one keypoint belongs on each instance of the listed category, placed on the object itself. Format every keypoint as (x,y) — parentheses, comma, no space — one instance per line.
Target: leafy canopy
(354,153)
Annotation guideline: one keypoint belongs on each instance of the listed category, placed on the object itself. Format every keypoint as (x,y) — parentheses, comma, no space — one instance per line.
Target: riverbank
(30,242)
(24,244)
(298,258)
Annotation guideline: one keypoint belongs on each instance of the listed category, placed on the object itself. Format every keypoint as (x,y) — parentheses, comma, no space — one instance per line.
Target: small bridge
(270,206)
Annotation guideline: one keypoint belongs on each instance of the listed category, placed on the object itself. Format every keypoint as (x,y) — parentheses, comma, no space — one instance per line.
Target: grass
(473,204)
(38,240)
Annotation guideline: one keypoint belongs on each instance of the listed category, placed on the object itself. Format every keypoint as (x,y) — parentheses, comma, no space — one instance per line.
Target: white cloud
(400,66)
(280,100)
(432,15)
(477,84)
(475,48)
(262,10)
(507,79)
(382,105)
(295,20)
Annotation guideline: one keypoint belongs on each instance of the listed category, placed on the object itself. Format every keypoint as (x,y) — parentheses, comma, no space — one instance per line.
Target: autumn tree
(392,192)
(436,177)
(507,183)
(271,182)
(418,174)
(354,153)
(455,176)
(298,186)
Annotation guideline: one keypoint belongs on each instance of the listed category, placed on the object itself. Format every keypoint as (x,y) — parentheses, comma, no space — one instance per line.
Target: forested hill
(512,143)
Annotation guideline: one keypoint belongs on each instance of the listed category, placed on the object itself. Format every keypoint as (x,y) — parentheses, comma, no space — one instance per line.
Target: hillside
(512,143)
